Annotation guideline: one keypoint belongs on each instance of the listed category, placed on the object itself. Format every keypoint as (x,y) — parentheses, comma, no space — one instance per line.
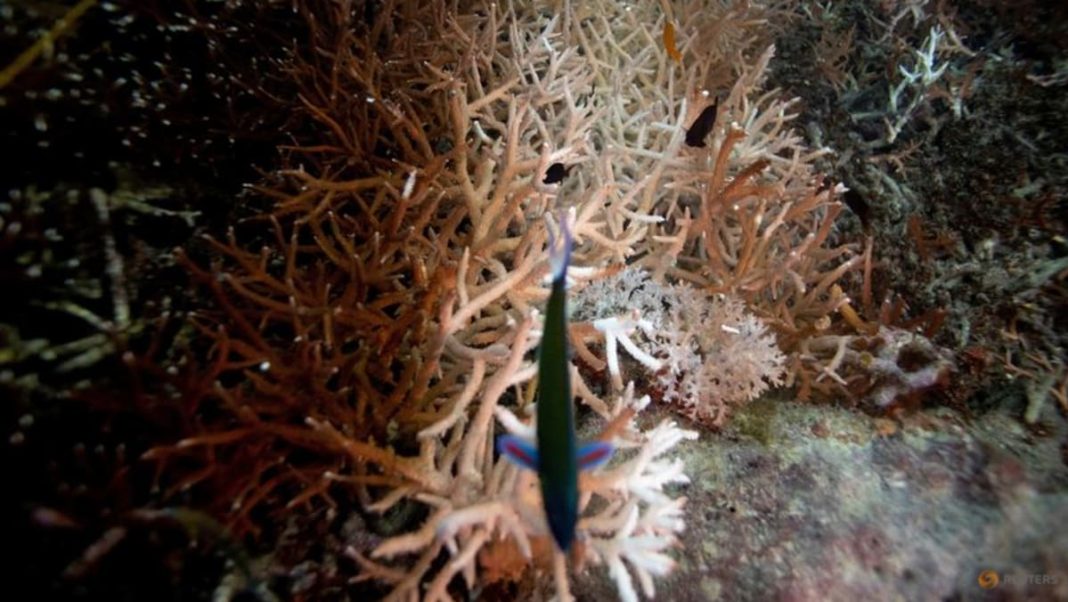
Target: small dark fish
(860,207)
(702,126)
(556,173)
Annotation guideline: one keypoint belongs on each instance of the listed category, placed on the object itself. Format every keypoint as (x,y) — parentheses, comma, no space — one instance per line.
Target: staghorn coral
(375,323)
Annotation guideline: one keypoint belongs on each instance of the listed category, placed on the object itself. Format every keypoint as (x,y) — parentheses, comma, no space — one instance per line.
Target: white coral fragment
(642,545)
(619,328)
(645,474)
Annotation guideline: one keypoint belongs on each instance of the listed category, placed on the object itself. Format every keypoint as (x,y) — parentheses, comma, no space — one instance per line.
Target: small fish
(557,457)
(702,126)
(556,173)
(669,42)
(860,207)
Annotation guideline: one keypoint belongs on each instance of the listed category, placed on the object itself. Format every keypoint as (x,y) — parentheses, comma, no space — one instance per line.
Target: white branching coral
(641,541)
(627,512)
(638,520)
(619,328)
(708,352)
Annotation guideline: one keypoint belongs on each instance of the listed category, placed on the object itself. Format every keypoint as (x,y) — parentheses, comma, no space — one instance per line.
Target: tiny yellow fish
(669,42)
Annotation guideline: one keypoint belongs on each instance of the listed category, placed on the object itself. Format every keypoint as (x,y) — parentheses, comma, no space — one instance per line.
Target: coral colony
(415,285)
(394,313)
(379,327)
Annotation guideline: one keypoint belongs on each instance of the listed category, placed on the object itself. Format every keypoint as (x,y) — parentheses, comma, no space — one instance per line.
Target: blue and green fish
(557,457)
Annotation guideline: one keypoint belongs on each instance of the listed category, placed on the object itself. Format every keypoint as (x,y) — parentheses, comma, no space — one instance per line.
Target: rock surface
(800,502)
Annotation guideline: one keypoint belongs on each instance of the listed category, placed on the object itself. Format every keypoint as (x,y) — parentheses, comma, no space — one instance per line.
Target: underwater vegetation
(288,286)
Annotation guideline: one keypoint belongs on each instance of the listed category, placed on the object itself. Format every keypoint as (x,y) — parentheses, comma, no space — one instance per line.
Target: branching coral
(385,326)
(628,515)
(755,224)
(708,353)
